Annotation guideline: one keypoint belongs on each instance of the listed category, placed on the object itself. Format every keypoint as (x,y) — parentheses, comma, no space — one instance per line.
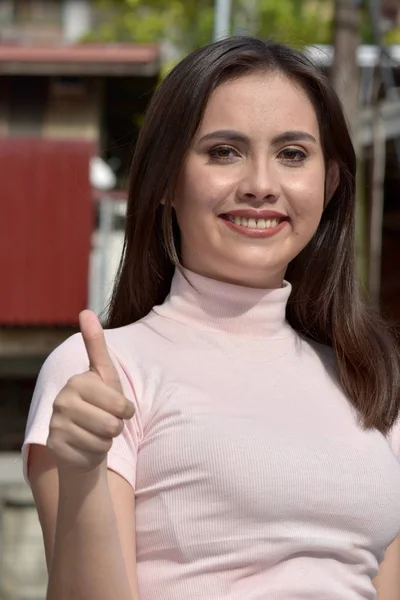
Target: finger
(77,459)
(90,390)
(85,440)
(98,421)
(96,347)
(76,437)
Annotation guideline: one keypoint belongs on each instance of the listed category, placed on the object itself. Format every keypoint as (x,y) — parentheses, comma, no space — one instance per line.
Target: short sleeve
(69,359)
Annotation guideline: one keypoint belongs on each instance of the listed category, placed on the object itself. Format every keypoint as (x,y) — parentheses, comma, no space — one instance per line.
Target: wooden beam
(30,342)
(79,69)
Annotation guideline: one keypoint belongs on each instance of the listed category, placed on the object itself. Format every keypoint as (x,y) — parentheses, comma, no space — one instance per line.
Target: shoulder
(321,354)
(148,340)
(133,348)
(70,358)
(71,355)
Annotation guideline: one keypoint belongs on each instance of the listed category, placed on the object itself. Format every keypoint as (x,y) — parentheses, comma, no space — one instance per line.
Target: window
(27,102)
(31,12)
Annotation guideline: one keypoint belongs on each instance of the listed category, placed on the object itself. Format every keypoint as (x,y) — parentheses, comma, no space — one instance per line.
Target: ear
(162,201)
(331,181)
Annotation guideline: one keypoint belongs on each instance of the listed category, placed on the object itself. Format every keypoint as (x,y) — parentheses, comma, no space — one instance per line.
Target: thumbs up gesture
(90,409)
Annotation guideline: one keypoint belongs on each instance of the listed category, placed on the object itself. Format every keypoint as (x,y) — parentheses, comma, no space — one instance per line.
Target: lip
(254,233)
(252,213)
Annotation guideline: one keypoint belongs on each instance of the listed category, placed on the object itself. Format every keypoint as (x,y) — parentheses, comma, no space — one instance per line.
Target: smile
(254,223)
(253,226)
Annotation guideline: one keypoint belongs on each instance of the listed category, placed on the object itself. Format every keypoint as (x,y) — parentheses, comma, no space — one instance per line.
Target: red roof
(80,59)
(109,53)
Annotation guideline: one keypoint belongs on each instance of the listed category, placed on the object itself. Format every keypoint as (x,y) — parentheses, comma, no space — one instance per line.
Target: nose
(259,183)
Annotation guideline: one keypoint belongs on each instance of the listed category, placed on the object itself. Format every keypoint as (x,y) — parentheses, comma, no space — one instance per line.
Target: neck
(215,305)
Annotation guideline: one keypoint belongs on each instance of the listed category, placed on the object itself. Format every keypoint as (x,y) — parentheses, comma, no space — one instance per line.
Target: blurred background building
(67,110)
(69,117)
(75,78)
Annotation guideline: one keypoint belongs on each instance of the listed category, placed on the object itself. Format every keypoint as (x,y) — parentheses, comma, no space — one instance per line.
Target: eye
(222,153)
(293,155)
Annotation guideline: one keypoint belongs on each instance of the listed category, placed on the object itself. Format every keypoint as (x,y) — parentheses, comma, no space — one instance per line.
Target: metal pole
(222,19)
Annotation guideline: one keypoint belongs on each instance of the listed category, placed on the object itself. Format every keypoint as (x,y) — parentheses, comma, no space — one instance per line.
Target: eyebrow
(236,136)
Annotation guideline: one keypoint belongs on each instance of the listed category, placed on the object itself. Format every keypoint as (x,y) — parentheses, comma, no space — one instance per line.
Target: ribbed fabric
(253,479)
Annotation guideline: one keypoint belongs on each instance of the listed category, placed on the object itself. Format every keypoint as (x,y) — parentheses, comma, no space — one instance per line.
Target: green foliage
(296,22)
(187,24)
(393,36)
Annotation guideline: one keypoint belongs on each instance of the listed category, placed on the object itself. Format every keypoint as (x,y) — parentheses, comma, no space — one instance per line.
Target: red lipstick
(255,223)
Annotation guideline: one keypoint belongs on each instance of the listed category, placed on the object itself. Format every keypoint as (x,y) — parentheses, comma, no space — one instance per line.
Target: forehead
(264,102)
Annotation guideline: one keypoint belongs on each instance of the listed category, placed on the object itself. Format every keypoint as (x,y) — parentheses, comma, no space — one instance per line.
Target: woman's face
(252,189)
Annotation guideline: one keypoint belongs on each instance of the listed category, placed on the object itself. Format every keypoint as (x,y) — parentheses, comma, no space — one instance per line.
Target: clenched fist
(90,409)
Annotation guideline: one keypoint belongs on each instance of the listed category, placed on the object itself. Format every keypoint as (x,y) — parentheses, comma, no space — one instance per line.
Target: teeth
(254,223)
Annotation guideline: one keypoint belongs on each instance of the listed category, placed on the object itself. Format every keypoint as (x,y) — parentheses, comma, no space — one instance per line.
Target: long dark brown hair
(325,304)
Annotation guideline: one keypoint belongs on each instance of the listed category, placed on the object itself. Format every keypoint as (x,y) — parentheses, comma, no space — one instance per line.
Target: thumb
(96,347)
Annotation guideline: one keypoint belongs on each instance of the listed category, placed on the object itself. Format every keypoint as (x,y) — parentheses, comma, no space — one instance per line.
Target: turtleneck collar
(217,306)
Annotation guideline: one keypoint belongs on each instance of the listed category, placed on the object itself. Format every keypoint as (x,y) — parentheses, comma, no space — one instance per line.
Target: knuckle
(106,445)
(112,427)
(63,402)
(59,405)
(97,337)
(55,424)
(53,444)
(119,405)
(78,383)
(58,431)
(74,381)
(61,421)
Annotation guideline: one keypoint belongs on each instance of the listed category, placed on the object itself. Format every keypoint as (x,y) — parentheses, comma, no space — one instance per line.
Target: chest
(268,447)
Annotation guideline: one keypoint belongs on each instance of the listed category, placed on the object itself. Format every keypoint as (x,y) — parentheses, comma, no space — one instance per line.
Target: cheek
(199,193)
(307,198)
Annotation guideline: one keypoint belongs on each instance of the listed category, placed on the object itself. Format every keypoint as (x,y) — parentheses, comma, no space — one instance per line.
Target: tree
(297,22)
(184,24)
(187,24)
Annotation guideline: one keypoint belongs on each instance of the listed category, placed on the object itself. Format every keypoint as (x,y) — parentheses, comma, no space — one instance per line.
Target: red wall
(46,222)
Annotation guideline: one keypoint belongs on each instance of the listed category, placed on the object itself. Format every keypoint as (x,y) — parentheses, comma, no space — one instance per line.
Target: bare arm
(387,582)
(88,529)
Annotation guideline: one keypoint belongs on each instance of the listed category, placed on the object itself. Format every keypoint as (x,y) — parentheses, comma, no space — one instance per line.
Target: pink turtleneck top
(253,479)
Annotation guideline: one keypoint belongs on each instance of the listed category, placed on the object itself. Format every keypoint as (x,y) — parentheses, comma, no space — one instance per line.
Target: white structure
(23,573)
(102,177)
(222,19)
(76,19)
(368,59)
(368,55)
(107,244)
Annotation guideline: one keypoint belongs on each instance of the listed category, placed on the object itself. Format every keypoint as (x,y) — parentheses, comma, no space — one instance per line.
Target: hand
(90,409)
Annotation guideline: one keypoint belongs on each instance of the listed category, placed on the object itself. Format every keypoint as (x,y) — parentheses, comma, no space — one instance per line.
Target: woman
(244,399)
